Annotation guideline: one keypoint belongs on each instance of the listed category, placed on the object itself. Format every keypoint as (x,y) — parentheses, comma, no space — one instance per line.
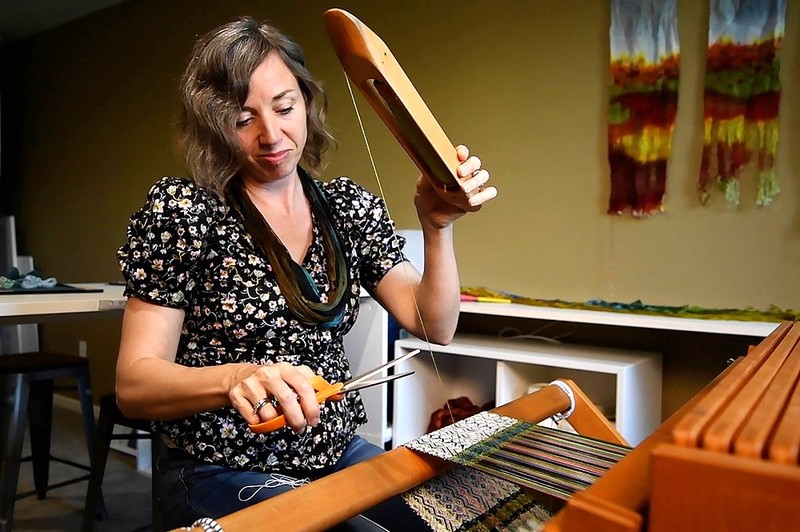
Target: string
(394,236)
(275,480)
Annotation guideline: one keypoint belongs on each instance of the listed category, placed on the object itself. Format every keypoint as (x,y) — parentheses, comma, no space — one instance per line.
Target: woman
(243,281)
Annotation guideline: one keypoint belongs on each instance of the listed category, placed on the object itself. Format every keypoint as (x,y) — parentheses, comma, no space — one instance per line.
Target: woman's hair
(213,91)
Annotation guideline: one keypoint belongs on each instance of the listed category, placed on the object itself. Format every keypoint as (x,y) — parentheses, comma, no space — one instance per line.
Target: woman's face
(272,127)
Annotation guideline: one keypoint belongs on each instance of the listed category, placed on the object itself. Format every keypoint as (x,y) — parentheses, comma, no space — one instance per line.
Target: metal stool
(111,415)
(26,396)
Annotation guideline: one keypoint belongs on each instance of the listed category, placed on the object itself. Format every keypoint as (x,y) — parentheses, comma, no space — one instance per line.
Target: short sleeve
(373,235)
(164,240)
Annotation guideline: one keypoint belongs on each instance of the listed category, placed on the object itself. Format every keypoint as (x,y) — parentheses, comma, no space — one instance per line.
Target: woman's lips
(274,158)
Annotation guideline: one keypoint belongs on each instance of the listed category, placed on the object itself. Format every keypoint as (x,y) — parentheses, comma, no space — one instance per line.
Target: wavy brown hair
(214,88)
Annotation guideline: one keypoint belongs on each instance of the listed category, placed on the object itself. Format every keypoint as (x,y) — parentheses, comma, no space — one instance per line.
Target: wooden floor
(127,492)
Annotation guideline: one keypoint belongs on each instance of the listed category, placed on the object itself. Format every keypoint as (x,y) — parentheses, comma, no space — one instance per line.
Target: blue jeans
(191,489)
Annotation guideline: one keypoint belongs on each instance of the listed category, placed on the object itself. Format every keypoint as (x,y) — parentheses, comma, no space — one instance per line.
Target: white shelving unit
(367,346)
(626,385)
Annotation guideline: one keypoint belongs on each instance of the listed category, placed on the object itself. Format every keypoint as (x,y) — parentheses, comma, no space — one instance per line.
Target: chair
(110,415)
(26,397)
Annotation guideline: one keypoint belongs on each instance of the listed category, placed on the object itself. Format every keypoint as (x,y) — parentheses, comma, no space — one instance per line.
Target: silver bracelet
(207,524)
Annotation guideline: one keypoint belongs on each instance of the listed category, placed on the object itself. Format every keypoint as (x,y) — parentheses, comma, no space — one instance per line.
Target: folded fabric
(30,280)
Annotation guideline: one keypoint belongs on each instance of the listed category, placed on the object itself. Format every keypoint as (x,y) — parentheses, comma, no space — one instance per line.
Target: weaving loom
(320,505)
(619,499)
(727,460)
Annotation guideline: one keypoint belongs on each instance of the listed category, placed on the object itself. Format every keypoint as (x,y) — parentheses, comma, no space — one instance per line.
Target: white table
(33,308)
(30,308)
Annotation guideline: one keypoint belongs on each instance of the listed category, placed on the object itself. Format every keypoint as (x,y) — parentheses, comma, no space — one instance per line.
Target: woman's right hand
(280,384)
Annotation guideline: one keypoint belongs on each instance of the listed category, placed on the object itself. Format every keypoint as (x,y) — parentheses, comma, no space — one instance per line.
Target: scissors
(336,391)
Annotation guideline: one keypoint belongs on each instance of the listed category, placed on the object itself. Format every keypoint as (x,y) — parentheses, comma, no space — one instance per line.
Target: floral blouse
(185,249)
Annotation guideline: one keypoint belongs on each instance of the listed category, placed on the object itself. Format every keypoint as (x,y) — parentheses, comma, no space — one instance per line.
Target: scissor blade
(366,384)
(379,369)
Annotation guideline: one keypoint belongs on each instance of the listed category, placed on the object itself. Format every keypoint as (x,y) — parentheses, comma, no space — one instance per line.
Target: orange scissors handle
(325,391)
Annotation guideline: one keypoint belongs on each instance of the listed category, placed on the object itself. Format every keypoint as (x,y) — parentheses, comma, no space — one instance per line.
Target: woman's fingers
(462,152)
(284,385)
(298,400)
(475,179)
(477,190)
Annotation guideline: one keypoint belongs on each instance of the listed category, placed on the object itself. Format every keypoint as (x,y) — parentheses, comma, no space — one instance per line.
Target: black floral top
(185,249)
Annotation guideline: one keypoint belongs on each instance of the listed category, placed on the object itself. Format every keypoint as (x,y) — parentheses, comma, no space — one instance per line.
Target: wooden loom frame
(726,461)
(320,505)
(655,487)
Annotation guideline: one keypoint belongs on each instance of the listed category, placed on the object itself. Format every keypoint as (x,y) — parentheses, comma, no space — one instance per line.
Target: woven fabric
(643,102)
(742,96)
(464,499)
(450,441)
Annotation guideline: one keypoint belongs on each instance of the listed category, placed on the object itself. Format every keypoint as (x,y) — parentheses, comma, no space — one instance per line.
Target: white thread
(275,481)
(568,412)
(512,333)
(394,236)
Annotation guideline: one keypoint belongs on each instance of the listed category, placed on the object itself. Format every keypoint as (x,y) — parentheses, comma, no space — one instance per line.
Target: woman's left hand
(438,212)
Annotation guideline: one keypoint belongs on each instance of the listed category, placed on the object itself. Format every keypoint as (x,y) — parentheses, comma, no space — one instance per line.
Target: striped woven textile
(643,102)
(742,97)
(500,456)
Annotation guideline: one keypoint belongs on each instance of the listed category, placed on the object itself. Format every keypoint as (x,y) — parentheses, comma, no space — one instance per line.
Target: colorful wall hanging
(643,103)
(742,96)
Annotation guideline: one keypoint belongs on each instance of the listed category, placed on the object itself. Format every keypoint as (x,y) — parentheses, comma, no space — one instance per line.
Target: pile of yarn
(30,280)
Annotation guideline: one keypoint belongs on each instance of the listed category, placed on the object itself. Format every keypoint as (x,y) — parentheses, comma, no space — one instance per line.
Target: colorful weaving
(452,440)
(643,103)
(771,314)
(546,460)
(463,499)
(742,96)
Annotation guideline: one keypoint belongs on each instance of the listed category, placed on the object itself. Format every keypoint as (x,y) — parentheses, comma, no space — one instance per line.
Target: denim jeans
(191,489)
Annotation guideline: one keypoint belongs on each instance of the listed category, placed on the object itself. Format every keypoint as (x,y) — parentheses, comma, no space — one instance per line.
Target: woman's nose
(269,132)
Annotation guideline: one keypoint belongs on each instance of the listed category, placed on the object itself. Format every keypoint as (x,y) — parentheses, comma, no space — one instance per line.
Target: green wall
(90,107)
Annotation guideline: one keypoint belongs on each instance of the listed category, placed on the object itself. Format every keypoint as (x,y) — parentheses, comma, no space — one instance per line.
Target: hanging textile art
(643,101)
(742,96)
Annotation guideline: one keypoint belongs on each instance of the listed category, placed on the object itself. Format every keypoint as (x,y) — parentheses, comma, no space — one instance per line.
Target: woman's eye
(242,122)
(285,110)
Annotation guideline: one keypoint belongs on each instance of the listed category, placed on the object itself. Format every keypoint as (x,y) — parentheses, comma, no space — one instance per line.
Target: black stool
(111,415)
(26,396)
